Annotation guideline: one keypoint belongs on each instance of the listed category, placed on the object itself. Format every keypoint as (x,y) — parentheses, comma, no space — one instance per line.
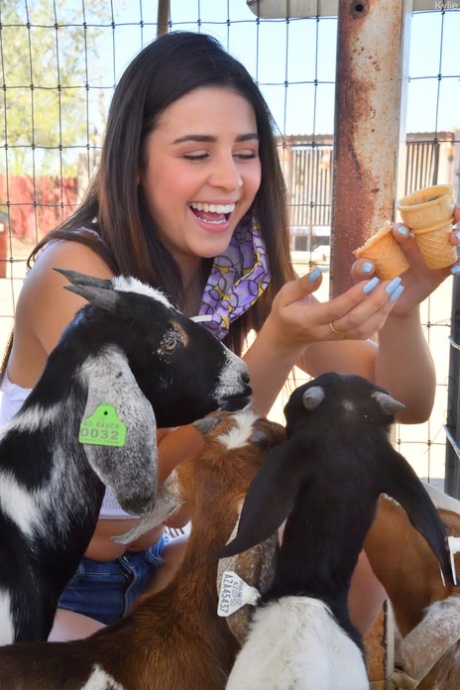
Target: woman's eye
(246,156)
(195,156)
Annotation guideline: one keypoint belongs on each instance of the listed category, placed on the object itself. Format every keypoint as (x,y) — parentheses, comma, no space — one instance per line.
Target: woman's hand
(419,280)
(298,318)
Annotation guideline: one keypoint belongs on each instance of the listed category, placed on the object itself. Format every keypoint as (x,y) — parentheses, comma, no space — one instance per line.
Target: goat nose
(245,377)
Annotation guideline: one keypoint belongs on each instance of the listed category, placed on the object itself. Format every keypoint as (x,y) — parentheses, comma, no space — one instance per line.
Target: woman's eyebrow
(207,138)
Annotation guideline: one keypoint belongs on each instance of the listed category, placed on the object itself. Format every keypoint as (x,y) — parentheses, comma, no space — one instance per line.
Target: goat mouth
(236,402)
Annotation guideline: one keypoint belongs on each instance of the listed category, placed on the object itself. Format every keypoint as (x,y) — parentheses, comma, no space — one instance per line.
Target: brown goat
(427,612)
(172,640)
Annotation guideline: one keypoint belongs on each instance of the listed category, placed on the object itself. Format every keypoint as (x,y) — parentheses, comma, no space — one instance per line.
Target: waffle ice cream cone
(428,213)
(385,252)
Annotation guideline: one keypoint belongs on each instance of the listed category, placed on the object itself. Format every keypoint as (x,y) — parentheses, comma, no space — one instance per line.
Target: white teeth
(214,208)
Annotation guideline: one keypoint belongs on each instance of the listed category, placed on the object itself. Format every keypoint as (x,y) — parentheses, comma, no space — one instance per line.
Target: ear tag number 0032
(103,428)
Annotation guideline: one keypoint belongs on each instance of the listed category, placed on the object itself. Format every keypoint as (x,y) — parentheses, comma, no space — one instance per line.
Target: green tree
(51,81)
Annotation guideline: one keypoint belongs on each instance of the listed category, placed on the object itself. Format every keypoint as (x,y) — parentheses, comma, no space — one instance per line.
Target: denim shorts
(107,590)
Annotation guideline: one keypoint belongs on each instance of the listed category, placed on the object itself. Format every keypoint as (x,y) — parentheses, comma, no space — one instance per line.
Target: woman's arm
(297,331)
(403,361)
(45,308)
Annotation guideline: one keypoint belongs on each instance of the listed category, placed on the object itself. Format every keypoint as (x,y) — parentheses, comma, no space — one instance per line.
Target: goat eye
(173,337)
(169,343)
(170,346)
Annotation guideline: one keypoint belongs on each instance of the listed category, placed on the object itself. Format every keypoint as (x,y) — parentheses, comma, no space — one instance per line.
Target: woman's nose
(226,174)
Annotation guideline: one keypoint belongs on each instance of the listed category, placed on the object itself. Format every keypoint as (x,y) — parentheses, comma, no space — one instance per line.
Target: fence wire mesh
(60,62)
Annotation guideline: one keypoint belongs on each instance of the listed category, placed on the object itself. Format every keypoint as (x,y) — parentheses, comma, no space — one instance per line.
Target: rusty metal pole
(369,137)
(163,16)
(369,148)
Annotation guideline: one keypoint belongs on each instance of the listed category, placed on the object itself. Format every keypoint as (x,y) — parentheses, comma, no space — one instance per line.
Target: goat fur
(172,639)
(325,479)
(129,349)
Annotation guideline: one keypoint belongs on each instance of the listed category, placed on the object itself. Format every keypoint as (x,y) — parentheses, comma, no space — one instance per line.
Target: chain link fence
(61,59)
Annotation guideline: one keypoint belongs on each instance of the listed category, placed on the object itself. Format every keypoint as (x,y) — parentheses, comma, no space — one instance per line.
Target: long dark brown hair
(164,71)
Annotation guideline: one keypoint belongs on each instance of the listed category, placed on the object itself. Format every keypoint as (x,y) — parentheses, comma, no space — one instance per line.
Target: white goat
(126,351)
(325,479)
(174,639)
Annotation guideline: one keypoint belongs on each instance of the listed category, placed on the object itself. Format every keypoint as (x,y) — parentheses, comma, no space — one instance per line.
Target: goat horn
(313,397)
(97,291)
(77,278)
(259,439)
(205,425)
(387,403)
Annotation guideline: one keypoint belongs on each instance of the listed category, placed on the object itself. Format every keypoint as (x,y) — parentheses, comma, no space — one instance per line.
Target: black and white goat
(173,639)
(326,480)
(125,353)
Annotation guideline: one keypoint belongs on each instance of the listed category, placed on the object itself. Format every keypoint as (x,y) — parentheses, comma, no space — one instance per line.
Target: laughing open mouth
(212,213)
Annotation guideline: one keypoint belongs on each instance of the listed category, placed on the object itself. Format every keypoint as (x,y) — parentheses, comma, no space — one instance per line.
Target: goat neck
(430,651)
(411,575)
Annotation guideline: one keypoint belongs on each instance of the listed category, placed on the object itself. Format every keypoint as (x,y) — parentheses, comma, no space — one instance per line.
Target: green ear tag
(103,428)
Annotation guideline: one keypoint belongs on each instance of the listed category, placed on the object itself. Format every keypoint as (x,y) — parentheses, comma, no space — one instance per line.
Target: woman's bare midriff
(102,548)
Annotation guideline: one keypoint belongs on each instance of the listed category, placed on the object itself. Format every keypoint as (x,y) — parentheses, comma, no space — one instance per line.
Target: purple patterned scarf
(238,278)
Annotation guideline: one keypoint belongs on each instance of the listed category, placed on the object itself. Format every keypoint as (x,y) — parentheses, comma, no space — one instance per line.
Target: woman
(189,197)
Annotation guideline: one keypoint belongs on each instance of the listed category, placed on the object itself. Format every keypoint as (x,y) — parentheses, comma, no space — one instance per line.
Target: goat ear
(257,568)
(401,483)
(388,404)
(129,469)
(168,499)
(270,498)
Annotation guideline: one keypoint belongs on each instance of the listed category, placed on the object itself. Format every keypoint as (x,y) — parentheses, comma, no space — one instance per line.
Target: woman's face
(202,174)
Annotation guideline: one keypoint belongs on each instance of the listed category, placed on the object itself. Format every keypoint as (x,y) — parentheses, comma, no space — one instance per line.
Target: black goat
(326,480)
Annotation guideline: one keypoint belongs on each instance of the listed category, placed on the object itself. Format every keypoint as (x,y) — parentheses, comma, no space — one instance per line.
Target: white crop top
(13,397)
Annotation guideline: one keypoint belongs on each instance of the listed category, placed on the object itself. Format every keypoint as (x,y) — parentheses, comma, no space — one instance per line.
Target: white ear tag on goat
(235,593)
(103,428)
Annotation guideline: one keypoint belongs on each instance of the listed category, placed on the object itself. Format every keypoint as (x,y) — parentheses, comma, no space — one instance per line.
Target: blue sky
(300,52)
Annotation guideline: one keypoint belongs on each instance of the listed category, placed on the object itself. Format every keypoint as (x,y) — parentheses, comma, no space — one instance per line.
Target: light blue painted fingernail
(457,235)
(403,230)
(397,293)
(391,287)
(367,267)
(455,270)
(314,275)
(371,285)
